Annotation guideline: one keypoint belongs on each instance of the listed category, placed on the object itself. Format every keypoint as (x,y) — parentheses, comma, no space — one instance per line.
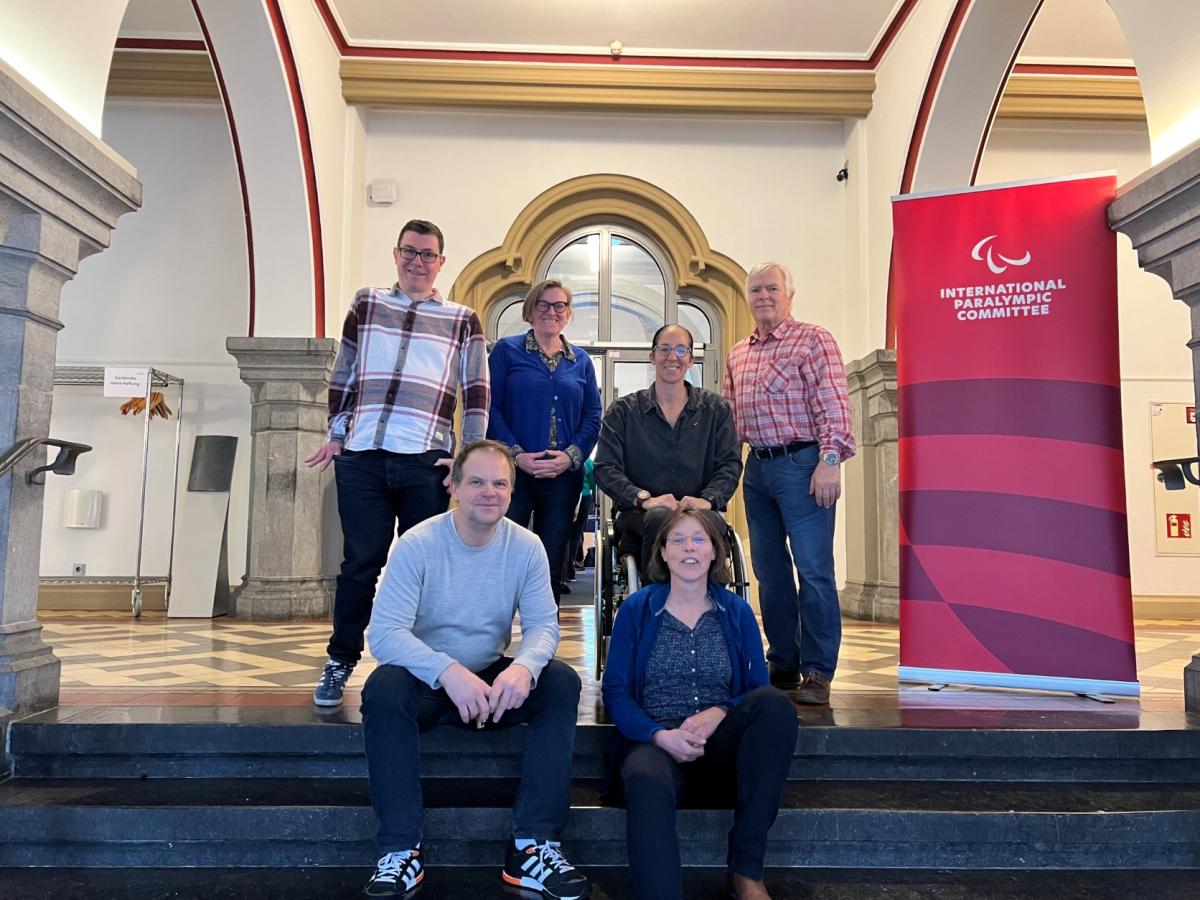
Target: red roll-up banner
(1014,553)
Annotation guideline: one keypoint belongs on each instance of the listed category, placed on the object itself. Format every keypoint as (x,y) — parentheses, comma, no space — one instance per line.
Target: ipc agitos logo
(982,250)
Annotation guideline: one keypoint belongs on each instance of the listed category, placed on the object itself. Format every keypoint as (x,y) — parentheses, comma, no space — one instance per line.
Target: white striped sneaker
(396,874)
(542,867)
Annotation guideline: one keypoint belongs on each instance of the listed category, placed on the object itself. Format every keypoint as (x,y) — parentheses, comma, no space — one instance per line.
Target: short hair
(658,334)
(535,294)
(789,286)
(456,471)
(718,570)
(421,226)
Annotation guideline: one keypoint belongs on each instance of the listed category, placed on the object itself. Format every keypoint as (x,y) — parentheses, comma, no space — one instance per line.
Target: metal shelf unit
(94,376)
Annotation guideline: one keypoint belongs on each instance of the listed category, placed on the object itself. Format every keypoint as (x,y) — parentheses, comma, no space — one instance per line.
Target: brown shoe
(743,888)
(814,691)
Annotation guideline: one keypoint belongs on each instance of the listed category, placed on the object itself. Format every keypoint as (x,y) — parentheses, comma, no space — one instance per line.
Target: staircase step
(287,742)
(610,883)
(327,822)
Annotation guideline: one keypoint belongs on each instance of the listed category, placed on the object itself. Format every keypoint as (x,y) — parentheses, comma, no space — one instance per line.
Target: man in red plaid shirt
(405,355)
(787,386)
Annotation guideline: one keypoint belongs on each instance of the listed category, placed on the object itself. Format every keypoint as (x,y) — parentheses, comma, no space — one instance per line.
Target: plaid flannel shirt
(398,372)
(789,385)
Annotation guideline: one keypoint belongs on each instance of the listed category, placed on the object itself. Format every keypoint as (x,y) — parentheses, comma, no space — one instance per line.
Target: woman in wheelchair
(686,685)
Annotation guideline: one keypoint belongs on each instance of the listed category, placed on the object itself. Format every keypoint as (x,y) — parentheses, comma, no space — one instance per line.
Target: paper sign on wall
(125,381)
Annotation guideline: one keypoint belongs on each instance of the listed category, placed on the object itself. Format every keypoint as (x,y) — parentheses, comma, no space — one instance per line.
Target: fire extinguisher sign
(1179,525)
(1191,415)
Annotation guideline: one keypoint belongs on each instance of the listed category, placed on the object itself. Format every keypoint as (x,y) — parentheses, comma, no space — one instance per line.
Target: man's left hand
(826,484)
(551,464)
(509,690)
(448,462)
(703,723)
(694,503)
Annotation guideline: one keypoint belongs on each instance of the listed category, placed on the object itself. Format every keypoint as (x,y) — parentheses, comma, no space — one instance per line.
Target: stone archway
(591,199)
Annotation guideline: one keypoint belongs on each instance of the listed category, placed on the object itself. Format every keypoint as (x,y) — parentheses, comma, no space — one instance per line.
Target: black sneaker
(396,874)
(332,684)
(543,868)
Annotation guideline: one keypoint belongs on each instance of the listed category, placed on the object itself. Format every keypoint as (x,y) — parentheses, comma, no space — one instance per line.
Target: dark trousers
(636,530)
(587,503)
(397,707)
(380,495)
(551,504)
(751,750)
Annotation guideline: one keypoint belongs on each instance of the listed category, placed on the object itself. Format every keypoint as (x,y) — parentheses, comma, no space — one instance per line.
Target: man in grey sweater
(441,624)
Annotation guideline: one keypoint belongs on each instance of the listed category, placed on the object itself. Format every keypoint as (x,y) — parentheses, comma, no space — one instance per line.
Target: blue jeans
(397,707)
(380,495)
(551,502)
(804,626)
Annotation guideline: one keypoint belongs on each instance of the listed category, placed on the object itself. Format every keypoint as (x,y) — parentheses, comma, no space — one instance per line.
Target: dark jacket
(523,389)
(699,457)
(633,637)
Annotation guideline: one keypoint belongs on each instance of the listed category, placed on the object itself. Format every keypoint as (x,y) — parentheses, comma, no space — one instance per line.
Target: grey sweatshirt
(442,601)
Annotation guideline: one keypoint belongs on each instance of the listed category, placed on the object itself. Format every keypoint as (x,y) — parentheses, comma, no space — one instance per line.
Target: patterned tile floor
(112,659)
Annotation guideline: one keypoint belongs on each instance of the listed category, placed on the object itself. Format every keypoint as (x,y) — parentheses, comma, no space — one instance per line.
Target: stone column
(1160,212)
(289,381)
(872,588)
(61,192)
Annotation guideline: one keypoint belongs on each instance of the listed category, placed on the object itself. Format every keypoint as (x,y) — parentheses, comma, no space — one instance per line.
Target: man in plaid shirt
(790,403)
(404,357)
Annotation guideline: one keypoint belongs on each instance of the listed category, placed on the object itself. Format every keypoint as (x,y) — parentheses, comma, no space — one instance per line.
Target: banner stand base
(1084,687)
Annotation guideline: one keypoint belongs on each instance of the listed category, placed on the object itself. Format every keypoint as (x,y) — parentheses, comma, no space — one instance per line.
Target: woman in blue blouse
(546,407)
(686,685)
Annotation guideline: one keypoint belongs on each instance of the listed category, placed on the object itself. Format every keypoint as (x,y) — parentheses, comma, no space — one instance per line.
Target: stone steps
(220,788)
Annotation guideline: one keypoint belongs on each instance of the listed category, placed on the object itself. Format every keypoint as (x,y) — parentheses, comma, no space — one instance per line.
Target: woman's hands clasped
(686,743)
(547,464)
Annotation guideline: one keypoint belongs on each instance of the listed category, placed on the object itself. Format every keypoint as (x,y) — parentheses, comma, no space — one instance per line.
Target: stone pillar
(61,192)
(1160,212)
(872,588)
(289,381)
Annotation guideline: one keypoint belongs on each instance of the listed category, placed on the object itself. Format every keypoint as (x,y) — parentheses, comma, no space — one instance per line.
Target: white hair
(789,286)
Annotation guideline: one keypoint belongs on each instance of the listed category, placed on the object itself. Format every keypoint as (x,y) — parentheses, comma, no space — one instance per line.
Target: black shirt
(699,457)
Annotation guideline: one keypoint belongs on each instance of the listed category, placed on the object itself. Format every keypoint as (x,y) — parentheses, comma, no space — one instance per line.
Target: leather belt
(787,450)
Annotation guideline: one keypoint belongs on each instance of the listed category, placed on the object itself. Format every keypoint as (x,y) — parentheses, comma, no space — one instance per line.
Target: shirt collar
(531,346)
(436,296)
(649,397)
(658,599)
(779,332)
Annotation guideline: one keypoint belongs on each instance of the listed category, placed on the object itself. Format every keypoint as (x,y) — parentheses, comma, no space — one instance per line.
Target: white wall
(167,293)
(1155,361)
(760,189)
(64,48)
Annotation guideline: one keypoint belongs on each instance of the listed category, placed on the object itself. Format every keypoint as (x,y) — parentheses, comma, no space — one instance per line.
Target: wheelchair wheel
(737,565)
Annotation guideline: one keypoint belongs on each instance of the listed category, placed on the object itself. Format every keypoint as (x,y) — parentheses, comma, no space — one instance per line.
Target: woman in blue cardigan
(546,408)
(686,685)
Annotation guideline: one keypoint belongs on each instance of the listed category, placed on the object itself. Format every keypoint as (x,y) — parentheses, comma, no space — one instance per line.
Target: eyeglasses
(429,256)
(680,540)
(680,350)
(546,306)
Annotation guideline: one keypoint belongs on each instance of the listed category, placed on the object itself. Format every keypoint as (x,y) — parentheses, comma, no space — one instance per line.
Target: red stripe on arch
(1088,474)
(237,157)
(307,159)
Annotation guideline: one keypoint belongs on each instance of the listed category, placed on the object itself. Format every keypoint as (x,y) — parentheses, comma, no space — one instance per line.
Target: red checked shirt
(399,369)
(790,385)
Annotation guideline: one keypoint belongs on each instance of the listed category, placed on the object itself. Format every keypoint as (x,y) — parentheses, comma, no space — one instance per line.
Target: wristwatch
(831,458)
(642,497)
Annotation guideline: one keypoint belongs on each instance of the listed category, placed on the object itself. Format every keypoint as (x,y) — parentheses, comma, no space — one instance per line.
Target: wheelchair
(618,576)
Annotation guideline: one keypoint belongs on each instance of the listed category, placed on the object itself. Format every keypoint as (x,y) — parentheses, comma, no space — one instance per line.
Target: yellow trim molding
(406,82)
(609,199)
(1072,97)
(592,199)
(140,73)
